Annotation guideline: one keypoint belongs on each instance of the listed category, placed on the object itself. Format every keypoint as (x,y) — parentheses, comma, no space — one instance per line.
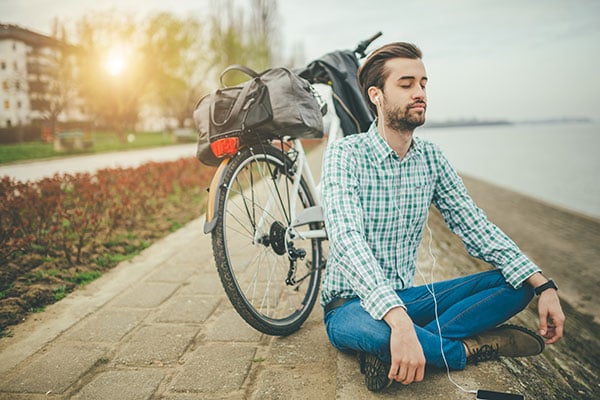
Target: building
(32,68)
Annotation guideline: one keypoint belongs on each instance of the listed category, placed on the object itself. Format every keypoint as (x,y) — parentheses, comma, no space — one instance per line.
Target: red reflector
(225,147)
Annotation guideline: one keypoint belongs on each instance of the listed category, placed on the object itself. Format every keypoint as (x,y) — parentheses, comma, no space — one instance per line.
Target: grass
(103,142)
(5,333)
(60,293)
(83,278)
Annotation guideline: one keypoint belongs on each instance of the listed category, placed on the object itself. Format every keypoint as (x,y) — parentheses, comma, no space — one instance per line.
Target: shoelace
(484,353)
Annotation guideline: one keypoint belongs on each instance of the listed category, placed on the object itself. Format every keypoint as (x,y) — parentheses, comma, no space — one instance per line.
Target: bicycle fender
(214,193)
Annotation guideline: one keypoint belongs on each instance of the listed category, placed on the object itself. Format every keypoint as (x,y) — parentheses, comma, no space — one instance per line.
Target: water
(557,163)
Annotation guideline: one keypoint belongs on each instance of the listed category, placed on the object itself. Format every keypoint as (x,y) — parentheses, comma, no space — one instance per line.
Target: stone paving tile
(108,325)
(192,309)
(31,396)
(201,396)
(122,384)
(146,295)
(214,369)
(229,326)
(208,265)
(199,252)
(308,345)
(172,271)
(300,383)
(204,283)
(54,369)
(156,344)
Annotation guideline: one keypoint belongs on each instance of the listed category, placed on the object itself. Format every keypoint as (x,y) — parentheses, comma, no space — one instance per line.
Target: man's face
(405,101)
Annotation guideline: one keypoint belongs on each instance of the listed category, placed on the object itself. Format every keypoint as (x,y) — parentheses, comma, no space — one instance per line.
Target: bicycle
(265,215)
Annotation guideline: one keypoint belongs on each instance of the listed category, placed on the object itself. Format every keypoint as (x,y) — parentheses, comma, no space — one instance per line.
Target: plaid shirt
(376,206)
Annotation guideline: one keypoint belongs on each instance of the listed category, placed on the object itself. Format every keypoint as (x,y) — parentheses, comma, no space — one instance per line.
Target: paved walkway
(34,170)
(160,327)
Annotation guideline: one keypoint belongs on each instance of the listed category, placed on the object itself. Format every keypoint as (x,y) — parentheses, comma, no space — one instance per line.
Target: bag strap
(235,110)
(238,67)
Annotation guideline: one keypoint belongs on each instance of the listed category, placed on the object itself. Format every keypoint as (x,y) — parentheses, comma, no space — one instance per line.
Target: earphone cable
(431,291)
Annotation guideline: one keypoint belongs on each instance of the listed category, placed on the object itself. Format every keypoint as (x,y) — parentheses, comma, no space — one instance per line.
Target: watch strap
(548,285)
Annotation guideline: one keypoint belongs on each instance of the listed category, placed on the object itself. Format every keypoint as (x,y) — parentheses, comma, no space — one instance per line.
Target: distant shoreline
(476,122)
(465,123)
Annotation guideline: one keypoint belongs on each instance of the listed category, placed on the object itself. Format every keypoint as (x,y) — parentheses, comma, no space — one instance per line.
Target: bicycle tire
(249,238)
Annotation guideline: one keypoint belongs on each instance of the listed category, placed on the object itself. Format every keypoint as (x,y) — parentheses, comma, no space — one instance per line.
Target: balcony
(37,86)
(39,104)
(36,68)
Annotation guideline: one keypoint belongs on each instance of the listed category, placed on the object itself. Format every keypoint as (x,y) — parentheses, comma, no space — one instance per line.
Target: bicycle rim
(251,246)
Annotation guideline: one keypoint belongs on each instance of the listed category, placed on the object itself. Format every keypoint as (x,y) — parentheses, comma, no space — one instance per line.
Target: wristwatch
(548,285)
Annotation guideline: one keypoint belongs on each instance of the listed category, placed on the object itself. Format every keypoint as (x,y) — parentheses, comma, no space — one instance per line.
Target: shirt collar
(380,150)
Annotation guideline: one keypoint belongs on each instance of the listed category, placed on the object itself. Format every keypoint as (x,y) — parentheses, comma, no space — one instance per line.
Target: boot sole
(375,372)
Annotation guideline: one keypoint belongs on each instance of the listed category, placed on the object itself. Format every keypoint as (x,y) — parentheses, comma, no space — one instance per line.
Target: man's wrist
(397,317)
(542,288)
(537,279)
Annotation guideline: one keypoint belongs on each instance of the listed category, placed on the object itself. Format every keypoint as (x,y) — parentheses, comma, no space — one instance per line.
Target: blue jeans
(466,307)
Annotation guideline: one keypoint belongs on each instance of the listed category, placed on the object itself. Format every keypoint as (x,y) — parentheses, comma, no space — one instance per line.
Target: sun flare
(116,61)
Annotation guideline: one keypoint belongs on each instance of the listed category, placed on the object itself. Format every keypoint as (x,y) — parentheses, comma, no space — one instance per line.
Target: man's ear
(375,95)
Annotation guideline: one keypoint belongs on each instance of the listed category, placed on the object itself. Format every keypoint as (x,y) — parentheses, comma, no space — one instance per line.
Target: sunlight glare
(115,61)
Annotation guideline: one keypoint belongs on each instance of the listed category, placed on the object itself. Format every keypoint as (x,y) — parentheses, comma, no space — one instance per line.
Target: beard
(402,119)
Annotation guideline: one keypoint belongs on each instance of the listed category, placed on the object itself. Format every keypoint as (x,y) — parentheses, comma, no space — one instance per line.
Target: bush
(62,231)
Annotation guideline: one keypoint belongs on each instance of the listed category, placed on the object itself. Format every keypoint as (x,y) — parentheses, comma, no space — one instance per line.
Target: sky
(486,59)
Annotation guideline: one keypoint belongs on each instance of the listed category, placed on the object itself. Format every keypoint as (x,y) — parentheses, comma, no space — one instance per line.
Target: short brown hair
(373,71)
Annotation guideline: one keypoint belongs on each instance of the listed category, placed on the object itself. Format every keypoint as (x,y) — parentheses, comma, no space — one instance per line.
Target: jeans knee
(529,292)
(524,295)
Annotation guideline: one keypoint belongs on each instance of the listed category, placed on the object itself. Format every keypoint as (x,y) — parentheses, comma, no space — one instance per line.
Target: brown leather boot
(506,341)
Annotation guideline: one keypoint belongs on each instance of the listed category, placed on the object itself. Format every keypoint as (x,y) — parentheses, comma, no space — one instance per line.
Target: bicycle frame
(315,213)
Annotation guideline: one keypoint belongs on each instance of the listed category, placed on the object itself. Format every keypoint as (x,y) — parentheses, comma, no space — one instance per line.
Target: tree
(264,35)
(176,64)
(235,40)
(62,89)
(112,69)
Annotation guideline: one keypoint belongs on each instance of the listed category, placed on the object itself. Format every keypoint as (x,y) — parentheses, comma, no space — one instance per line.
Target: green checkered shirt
(376,206)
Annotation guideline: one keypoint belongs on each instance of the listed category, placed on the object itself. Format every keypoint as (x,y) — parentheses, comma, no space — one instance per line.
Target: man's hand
(408,360)
(552,318)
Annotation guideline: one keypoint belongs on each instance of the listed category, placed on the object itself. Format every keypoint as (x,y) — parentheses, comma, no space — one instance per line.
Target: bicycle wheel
(251,243)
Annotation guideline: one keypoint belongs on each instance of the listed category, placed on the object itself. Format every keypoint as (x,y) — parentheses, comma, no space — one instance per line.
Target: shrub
(62,231)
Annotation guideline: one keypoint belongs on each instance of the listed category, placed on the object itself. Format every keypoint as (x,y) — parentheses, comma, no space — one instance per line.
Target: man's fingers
(411,373)
(554,335)
(420,374)
(543,328)
(401,375)
(409,377)
(396,373)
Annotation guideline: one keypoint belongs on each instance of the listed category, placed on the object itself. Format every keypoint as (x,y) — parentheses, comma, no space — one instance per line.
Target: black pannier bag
(274,103)
(339,69)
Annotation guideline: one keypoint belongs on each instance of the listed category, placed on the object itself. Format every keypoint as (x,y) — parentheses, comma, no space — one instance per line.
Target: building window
(19,104)
(7,104)
(8,123)
(2,65)
(5,85)
(16,65)
(18,85)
